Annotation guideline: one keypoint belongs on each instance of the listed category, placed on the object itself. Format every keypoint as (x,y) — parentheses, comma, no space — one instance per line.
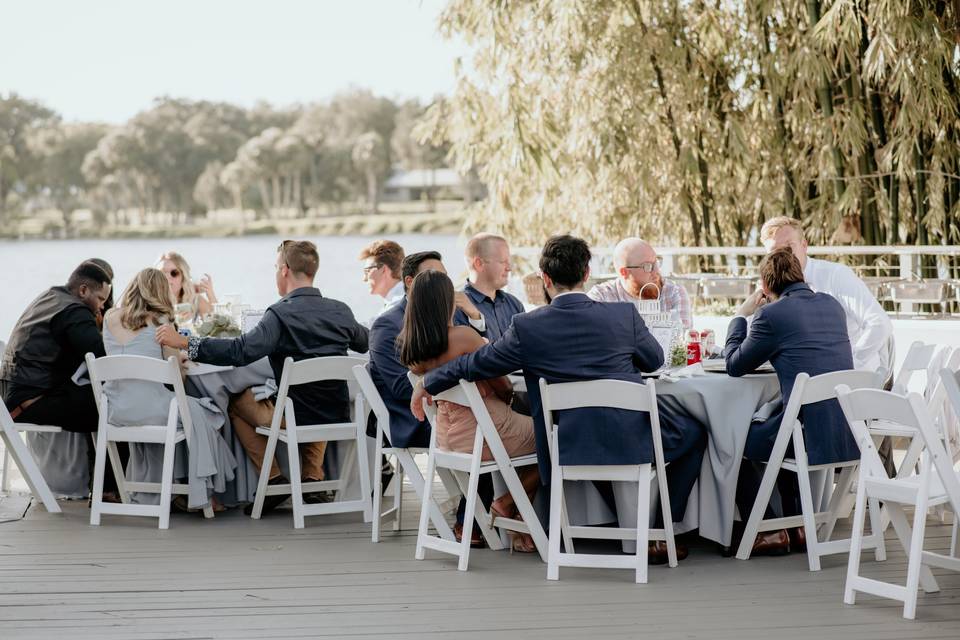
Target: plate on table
(719,365)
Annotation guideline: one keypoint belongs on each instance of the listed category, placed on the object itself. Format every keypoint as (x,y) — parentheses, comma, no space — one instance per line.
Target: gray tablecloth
(725,405)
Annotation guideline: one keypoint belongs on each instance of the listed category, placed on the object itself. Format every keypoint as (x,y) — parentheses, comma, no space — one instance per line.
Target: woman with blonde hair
(183,288)
(129,329)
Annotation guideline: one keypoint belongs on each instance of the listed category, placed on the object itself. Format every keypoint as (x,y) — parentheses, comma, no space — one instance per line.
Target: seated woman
(129,329)
(429,339)
(183,289)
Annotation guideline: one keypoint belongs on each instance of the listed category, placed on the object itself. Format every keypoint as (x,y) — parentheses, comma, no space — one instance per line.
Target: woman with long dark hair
(428,340)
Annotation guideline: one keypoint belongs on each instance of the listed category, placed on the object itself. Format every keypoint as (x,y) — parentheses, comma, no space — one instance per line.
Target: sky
(106,60)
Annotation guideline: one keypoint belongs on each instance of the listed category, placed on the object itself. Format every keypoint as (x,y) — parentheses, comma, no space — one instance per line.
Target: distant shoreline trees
(190,157)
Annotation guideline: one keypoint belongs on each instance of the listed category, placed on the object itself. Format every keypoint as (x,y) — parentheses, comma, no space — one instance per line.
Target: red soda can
(693,347)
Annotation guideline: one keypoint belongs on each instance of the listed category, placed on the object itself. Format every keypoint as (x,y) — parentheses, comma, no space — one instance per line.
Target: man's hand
(463,302)
(168,337)
(416,400)
(752,303)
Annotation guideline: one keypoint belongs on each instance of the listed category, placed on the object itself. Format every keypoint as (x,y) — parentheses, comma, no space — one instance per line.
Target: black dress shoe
(771,543)
(270,503)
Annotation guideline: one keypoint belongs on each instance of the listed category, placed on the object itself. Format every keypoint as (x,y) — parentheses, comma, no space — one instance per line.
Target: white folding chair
(467,469)
(950,383)
(936,483)
(406,465)
(305,372)
(616,394)
(163,372)
(809,390)
(918,358)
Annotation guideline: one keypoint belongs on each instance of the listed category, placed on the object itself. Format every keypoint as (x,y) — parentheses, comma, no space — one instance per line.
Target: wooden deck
(238,578)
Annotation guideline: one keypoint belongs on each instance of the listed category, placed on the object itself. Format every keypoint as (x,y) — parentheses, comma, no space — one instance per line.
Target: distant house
(430,184)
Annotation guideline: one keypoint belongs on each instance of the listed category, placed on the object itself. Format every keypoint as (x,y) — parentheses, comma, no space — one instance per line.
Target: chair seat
(317,432)
(904,490)
(148,433)
(37,428)
(884,428)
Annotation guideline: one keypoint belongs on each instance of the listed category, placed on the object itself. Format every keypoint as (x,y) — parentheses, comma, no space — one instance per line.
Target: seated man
(798,331)
(637,264)
(47,346)
(390,376)
(381,271)
(488,262)
(302,324)
(612,342)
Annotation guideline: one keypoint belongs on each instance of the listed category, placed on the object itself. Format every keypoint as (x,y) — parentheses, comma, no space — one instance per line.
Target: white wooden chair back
(612,394)
(938,362)
(306,371)
(918,358)
(919,492)
(123,367)
(374,401)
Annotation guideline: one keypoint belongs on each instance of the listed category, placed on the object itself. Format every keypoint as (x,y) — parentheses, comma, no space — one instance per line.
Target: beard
(649,293)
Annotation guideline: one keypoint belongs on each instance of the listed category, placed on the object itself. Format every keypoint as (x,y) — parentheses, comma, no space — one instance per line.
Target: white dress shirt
(393,296)
(868,325)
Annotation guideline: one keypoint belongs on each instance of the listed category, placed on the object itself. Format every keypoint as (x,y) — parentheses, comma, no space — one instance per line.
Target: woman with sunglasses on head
(183,288)
(429,339)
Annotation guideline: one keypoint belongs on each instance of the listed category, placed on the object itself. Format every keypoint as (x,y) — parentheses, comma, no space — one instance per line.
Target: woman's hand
(168,337)
(205,286)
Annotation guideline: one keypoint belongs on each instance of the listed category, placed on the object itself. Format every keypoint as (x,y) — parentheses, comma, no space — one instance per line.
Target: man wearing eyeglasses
(639,278)
(381,271)
(488,262)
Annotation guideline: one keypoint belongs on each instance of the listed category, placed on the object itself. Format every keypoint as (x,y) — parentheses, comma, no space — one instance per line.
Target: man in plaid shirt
(637,264)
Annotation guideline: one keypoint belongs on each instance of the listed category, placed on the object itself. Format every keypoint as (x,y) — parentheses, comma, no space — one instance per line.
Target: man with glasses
(381,271)
(488,263)
(639,278)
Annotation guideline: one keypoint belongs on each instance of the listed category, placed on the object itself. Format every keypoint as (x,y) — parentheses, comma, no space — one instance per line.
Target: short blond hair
(773,225)
(479,245)
(146,300)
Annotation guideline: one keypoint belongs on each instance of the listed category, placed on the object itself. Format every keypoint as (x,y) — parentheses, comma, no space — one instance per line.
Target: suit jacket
(801,332)
(572,339)
(302,324)
(390,378)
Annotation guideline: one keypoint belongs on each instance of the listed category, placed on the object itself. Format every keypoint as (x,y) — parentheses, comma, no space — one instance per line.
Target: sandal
(519,542)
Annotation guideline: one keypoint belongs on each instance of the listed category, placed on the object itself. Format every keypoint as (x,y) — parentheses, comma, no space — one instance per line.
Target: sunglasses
(174,273)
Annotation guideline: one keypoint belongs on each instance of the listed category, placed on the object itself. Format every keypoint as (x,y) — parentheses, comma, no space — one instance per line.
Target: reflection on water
(237,265)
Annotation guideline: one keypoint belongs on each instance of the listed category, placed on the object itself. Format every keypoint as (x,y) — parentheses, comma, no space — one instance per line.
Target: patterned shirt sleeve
(676,297)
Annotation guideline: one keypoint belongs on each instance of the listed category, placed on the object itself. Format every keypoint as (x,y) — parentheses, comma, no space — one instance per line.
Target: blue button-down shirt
(497,313)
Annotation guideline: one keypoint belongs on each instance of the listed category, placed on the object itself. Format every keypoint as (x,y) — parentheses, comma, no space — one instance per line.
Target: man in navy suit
(576,338)
(798,331)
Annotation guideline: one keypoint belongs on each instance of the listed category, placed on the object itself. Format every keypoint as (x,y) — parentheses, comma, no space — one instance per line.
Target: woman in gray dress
(207,463)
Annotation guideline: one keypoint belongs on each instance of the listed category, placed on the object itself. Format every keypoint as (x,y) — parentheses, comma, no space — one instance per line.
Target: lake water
(237,265)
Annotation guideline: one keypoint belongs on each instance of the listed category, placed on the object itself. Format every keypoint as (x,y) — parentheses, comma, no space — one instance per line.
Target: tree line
(694,122)
(195,156)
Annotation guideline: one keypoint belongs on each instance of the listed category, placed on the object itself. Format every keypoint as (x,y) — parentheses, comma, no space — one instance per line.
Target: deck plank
(238,578)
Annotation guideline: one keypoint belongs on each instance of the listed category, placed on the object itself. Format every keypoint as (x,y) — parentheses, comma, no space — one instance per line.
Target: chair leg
(20,455)
(469,517)
(118,472)
(166,482)
(664,495)
(296,485)
(901,526)
(856,544)
(264,480)
(99,464)
(643,523)
(363,466)
(837,497)
(398,496)
(756,513)
(953,536)
(425,503)
(5,472)
(556,508)
(809,515)
(880,550)
(915,560)
(377,492)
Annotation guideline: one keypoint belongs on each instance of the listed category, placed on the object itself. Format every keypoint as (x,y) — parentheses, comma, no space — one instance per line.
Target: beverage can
(184,332)
(693,347)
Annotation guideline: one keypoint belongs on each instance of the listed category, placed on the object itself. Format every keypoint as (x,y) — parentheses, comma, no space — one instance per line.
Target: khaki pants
(246,414)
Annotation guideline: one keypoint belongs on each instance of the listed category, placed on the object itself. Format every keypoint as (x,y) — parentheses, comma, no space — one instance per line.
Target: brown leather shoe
(771,543)
(476,538)
(657,552)
(798,539)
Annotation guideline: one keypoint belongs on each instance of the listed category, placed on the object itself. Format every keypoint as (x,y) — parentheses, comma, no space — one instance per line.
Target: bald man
(638,265)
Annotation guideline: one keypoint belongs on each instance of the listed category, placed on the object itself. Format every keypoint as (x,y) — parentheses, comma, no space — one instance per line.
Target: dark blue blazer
(572,339)
(801,332)
(390,378)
